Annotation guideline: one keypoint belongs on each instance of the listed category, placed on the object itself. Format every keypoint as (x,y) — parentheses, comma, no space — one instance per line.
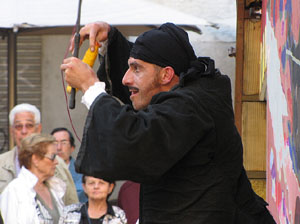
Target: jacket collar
(29,178)
(54,183)
(9,162)
(110,210)
(202,66)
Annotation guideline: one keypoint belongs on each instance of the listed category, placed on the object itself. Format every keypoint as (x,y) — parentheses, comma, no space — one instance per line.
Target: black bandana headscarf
(167,45)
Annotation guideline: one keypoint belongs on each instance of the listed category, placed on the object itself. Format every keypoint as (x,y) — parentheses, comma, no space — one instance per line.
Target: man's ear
(167,75)
(39,128)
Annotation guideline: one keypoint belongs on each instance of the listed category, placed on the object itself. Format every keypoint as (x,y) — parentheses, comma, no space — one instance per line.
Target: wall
(54,107)
(280,39)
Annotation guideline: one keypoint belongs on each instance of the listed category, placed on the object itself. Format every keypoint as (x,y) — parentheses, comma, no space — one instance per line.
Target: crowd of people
(38,180)
(167,128)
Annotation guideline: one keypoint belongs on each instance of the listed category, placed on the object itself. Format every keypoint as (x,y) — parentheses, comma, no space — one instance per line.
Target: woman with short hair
(97,209)
(35,196)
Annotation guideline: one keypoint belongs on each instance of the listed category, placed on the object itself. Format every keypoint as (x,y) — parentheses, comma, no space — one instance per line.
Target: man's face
(64,148)
(142,79)
(24,125)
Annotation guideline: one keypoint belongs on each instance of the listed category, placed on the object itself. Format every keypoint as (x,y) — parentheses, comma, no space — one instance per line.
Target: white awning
(63,13)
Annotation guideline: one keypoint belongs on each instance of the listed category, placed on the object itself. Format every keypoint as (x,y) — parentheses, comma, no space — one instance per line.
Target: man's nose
(24,129)
(127,78)
(58,146)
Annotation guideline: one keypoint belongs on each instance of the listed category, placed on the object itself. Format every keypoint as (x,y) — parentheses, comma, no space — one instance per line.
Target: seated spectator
(129,199)
(65,146)
(97,209)
(25,119)
(35,196)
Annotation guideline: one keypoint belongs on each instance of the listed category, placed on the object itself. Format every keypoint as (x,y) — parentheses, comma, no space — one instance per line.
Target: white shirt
(91,94)
(17,201)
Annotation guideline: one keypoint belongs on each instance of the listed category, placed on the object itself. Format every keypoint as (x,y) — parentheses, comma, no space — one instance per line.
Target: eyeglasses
(51,157)
(28,126)
(62,142)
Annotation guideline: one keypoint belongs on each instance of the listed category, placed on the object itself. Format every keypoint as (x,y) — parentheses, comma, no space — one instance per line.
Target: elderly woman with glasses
(35,196)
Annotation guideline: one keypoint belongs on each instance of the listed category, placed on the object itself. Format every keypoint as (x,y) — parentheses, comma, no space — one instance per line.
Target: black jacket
(183,148)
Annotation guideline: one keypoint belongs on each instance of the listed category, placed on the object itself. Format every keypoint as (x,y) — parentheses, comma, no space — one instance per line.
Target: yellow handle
(89,58)
(69,89)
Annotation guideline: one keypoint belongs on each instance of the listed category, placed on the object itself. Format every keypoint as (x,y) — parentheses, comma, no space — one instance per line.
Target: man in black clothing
(177,139)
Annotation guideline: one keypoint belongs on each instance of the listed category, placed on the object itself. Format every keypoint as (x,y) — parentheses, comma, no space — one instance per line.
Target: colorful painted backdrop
(280,44)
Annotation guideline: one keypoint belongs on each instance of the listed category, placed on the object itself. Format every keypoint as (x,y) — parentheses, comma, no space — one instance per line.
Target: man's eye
(29,125)
(20,126)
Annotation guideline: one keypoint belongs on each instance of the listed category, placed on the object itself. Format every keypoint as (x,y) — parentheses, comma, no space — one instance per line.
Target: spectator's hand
(95,32)
(78,74)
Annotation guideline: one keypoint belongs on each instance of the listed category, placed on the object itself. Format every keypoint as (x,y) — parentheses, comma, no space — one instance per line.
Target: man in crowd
(65,147)
(178,139)
(25,119)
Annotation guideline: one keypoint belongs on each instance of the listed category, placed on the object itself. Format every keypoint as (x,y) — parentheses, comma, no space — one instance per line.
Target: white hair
(25,107)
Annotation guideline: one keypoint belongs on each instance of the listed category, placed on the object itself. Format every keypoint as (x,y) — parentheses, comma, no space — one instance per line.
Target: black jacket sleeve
(122,144)
(115,65)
